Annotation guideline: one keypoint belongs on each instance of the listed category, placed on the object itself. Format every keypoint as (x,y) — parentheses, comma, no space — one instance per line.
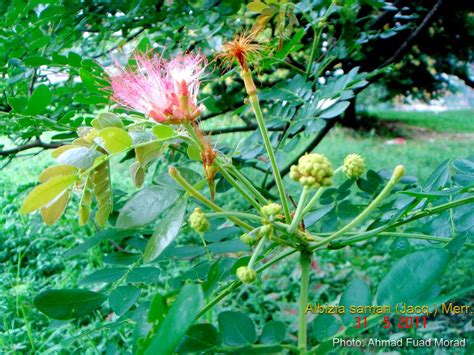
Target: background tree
(51,80)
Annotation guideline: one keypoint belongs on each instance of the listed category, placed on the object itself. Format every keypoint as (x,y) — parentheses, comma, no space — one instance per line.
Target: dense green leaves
(39,100)
(324,326)
(123,298)
(357,293)
(166,231)
(200,337)
(145,206)
(158,309)
(68,304)
(274,332)
(179,318)
(104,276)
(147,275)
(412,277)
(237,329)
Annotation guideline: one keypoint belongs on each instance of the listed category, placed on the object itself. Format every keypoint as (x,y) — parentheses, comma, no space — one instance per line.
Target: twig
(35,144)
(411,38)
(250,127)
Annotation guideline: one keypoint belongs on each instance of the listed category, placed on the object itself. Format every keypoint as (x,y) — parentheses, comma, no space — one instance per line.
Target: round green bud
(248,239)
(294,173)
(198,221)
(354,166)
(313,170)
(246,274)
(270,210)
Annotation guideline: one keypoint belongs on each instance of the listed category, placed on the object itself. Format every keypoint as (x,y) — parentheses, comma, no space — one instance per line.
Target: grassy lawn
(456,121)
(420,157)
(33,254)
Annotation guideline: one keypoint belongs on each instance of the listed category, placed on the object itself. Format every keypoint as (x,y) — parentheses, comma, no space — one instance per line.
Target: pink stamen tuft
(156,86)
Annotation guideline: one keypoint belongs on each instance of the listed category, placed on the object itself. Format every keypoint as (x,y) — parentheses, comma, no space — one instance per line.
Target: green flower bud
(198,221)
(295,173)
(270,210)
(354,166)
(313,170)
(248,239)
(265,231)
(246,274)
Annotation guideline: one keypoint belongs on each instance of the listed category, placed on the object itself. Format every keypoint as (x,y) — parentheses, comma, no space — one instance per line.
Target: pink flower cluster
(164,90)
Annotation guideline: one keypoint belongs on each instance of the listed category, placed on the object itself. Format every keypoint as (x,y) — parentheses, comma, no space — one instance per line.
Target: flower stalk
(236,185)
(256,252)
(254,102)
(299,210)
(261,199)
(396,176)
(174,173)
(305,263)
(317,195)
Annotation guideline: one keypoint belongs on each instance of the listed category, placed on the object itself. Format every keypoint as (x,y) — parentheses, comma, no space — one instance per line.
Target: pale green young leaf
(55,210)
(56,170)
(43,194)
(163,131)
(115,139)
(106,119)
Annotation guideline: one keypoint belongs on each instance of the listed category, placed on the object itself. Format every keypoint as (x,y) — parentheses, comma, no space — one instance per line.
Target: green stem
(305,262)
(256,252)
(235,184)
(241,177)
(304,236)
(192,133)
(299,209)
(208,252)
(254,102)
(233,214)
(314,47)
(234,284)
(313,200)
(222,168)
(317,37)
(359,238)
(396,176)
(317,195)
(435,210)
(198,196)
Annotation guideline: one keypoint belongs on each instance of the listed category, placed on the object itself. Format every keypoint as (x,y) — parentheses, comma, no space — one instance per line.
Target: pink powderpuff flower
(164,90)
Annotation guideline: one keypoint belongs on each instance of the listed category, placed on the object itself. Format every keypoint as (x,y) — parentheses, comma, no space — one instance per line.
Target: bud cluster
(354,166)
(198,221)
(313,170)
(271,210)
(246,274)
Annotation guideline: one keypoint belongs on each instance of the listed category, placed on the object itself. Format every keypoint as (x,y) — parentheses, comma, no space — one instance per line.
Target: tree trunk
(350,118)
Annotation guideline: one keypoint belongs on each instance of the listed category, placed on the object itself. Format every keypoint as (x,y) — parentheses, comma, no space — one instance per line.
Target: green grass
(455,121)
(33,259)
(420,157)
